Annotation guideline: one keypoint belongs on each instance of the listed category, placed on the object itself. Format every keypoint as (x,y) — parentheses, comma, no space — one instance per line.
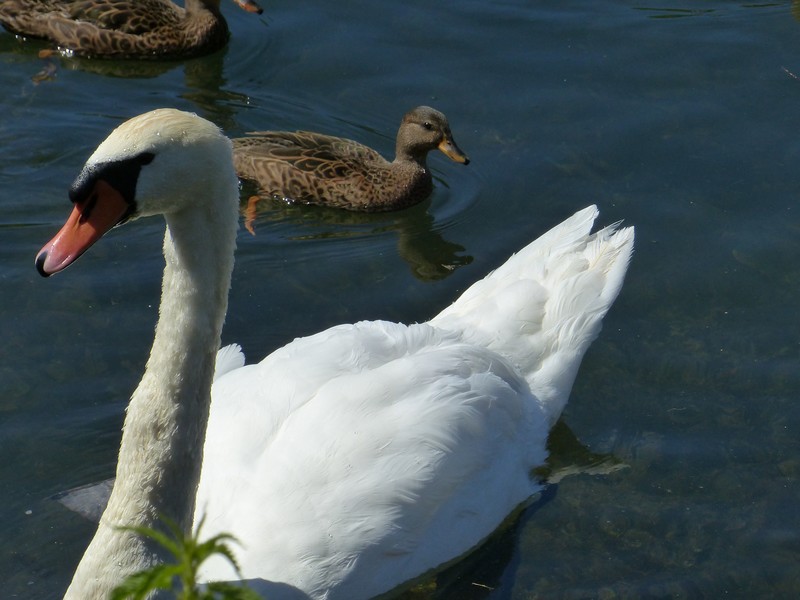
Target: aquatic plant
(180,576)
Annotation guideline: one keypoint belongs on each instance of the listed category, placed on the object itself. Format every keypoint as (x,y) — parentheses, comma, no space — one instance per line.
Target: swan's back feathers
(410,436)
(544,306)
(229,357)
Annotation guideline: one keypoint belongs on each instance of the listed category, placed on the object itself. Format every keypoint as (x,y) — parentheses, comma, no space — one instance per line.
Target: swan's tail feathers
(544,306)
(229,357)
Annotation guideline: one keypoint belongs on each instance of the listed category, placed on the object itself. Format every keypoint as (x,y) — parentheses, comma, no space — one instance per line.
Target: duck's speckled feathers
(122,28)
(313,168)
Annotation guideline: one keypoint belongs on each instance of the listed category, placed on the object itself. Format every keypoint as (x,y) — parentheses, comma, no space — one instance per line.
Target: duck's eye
(428,125)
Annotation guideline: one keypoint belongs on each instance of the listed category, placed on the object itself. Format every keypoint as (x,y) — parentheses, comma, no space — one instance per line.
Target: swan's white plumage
(372,467)
(353,460)
(413,443)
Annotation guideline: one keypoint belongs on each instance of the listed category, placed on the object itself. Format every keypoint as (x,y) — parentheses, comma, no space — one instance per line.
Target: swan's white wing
(361,444)
(544,306)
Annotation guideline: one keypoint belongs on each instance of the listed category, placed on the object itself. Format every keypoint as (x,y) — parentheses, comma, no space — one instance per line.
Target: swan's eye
(145,158)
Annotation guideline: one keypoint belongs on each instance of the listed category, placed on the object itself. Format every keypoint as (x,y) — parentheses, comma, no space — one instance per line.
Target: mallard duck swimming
(314,168)
(122,28)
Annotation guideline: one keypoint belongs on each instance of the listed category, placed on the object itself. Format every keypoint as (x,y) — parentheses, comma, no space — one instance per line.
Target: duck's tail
(544,306)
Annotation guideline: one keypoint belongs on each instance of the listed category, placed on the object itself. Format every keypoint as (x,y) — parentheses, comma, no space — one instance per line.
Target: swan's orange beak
(103,208)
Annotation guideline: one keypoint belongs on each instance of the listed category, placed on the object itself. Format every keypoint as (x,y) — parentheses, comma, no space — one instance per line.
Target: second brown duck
(154,29)
(313,168)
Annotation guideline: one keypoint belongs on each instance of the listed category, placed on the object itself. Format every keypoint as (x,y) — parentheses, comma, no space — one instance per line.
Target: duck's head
(161,162)
(424,129)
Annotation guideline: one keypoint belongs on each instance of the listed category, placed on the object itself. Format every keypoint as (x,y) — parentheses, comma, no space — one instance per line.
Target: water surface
(680,118)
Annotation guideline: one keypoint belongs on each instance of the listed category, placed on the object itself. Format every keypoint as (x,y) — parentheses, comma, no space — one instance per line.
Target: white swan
(350,461)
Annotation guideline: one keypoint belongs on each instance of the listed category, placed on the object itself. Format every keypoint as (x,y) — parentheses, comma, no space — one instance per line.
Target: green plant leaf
(139,585)
(180,576)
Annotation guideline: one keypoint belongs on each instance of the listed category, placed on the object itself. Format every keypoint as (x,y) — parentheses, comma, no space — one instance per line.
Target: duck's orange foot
(250,213)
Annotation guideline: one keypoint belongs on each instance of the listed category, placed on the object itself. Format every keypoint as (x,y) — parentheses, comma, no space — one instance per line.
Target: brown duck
(313,168)
(122,28)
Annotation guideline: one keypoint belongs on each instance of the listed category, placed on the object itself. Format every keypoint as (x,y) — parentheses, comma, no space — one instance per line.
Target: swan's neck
(162,442)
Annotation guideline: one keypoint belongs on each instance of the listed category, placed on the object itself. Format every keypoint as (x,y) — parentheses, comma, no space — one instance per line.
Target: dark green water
(681,118)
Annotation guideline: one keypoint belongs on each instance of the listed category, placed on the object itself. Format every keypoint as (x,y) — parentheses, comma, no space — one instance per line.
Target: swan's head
(161,162)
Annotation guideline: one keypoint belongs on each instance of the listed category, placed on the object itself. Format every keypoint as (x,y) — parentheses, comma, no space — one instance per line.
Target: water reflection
(421,245)
(204,80)
(674,13)
(129,69)
(52,61)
